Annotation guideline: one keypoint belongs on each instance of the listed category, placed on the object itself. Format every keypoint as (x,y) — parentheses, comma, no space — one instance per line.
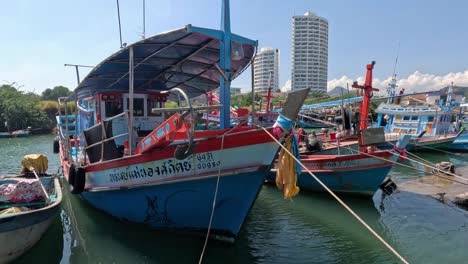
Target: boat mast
(449,95)
(130,99)
(225,65)
(120,28)
(268,96)
(392,85)
(367,92)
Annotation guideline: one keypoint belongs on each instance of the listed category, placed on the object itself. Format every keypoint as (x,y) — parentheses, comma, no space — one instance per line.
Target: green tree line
(20,110)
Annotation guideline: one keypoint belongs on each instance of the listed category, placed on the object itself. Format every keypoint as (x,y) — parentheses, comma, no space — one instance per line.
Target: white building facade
(266,66)
(309,52)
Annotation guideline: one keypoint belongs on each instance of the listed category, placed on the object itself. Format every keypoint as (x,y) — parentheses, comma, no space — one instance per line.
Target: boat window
(153,104)
(396,130)
(430,119)
(414,118)
(398,117)
(113,108)
(406,118)
(403,131)
(412,131)
(138,106)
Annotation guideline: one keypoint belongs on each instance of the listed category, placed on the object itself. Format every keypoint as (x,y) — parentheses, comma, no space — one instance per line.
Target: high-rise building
(309,52)
(266,66)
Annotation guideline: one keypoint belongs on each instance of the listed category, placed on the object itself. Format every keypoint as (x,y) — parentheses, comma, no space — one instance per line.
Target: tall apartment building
(266,62)
(309,52)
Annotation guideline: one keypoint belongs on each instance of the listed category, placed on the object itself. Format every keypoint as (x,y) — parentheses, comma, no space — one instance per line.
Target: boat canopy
(187,58)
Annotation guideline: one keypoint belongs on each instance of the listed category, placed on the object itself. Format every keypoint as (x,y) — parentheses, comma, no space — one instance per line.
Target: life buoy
(56,146)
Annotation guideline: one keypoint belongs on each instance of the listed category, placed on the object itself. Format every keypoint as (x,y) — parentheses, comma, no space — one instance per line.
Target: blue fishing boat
(27,208)
(429,124)
(139,161)
(361,169)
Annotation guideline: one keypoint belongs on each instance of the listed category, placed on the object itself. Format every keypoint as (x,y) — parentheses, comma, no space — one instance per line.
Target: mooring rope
(339,200)
(443,151)
(429,164)
(411,167)
(215,195)
(407,166)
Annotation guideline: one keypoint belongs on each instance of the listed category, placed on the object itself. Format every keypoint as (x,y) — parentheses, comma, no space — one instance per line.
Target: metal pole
(254,120)
(120,28)
(144,24)
(130,97)
(77,75)
(77,70)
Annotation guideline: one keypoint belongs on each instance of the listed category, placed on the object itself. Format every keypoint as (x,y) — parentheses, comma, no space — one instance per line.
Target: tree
(20,110)
(56,92)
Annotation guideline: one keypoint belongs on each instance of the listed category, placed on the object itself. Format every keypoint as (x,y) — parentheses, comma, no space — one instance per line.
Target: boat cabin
(414,120)
(113,105)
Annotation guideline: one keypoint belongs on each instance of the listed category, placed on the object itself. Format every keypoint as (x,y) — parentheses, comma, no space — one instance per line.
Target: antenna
(120,28)
(144,26)
(396,59)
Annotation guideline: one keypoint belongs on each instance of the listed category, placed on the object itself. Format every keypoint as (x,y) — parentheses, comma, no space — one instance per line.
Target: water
(312,228)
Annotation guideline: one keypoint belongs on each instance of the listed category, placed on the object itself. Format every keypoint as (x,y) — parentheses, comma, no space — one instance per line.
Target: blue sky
(38,37)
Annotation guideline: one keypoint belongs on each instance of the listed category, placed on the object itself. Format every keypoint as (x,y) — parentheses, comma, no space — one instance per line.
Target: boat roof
(186,58)
(394,109)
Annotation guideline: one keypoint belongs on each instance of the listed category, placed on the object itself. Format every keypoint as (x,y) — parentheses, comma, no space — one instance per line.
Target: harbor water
(312,228)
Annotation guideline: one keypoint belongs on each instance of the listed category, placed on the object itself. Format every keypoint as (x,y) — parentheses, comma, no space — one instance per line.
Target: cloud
(416,82)
(286,87)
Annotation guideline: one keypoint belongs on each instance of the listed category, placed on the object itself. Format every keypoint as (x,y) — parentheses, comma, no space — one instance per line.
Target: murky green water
(312,228)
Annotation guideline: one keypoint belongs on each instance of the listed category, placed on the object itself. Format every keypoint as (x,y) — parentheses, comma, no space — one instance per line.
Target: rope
(443,151)
(411,167)
(215,195)
(340,201)
(429,164)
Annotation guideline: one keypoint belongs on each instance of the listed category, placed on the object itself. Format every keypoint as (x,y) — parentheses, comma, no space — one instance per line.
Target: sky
(39,37)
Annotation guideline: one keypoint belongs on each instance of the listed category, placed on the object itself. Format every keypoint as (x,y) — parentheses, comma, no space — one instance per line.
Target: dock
(445,188)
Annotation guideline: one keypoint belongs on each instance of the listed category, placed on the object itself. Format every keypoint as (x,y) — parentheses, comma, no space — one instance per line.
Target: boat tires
(76,179)
(56,146)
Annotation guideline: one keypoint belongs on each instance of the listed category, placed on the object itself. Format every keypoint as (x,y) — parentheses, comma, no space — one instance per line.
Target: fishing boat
(141,162)
(461,124)
(16,133)
(28,205)
(429,124)
(358,171)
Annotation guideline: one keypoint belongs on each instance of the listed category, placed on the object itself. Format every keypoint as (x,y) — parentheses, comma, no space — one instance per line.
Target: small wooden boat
(16,133)
(26,211)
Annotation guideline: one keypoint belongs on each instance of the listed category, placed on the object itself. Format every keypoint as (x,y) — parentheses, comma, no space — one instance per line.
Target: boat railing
(104,137)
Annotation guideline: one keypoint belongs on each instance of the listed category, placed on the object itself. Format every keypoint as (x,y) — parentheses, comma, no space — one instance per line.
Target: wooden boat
(418,118)
(351,172)
(460,143)
(16,133)
(143,163)
(22,223)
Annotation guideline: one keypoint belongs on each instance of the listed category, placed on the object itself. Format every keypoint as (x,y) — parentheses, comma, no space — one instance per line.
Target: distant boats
(26,211)
(16,133)
(430,125)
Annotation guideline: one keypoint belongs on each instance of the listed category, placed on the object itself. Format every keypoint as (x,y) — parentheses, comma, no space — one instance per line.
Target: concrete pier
(445,188)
